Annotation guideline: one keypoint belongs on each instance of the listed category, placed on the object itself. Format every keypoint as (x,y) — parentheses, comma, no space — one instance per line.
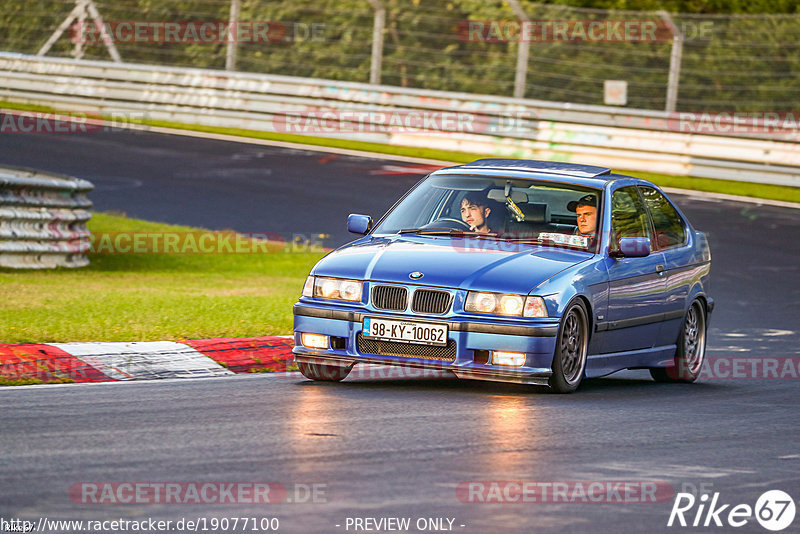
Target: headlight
(505,304)
(308,287)
(481,302)
(314,341)
(350,290)
(534,307)
(337,289)
(513,359)
(511,305)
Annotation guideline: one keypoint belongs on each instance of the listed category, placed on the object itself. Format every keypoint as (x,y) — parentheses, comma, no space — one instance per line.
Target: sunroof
(554,167)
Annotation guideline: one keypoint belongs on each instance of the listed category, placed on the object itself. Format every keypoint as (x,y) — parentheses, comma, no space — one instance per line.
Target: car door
(635,285)
(672,239)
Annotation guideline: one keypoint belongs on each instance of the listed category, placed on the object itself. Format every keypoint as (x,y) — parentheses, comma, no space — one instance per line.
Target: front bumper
(537,341)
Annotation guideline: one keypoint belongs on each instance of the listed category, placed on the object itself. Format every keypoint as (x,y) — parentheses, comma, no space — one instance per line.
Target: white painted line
(410,159)
(733,198)
(145,360)
(407,159)
(297,146)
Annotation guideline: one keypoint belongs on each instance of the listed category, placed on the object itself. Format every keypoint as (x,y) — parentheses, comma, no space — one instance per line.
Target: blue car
(520,271)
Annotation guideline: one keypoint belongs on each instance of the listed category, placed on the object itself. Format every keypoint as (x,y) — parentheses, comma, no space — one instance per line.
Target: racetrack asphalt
(395,446)
(216,184)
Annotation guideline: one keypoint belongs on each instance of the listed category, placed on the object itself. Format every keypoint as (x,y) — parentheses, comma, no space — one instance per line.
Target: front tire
(324,372)
(691,351)
(569,360)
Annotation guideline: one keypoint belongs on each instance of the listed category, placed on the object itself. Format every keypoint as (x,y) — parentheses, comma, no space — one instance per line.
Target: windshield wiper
(550,242)
(524,239)
(445,231)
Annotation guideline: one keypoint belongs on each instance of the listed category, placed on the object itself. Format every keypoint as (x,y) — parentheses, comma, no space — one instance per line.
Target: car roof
(571,173)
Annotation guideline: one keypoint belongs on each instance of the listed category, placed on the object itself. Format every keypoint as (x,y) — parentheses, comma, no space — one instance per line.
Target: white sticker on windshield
(565,239)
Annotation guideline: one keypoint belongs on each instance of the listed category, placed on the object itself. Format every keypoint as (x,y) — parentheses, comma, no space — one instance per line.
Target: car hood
(467,263)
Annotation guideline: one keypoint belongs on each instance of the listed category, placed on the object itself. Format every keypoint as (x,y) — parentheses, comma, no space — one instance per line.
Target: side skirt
(605,364)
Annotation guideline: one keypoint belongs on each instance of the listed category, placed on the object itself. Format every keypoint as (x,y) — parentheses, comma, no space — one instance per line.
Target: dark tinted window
(518,208)
(669,228)
(628,216)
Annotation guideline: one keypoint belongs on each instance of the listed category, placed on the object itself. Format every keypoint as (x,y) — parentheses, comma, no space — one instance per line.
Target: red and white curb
(105,362)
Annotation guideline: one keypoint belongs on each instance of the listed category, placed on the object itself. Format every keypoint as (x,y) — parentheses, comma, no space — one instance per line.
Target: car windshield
(510,209)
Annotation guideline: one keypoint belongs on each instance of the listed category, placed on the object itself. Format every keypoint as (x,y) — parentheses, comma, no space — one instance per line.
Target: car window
(420,207)
(507,208)
(669,227)
(628,216)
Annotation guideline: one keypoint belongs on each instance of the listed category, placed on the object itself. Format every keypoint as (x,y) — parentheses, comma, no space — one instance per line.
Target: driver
(474,211)
(585,209)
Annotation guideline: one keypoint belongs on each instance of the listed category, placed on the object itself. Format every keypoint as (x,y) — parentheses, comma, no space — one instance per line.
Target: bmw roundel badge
(416,275)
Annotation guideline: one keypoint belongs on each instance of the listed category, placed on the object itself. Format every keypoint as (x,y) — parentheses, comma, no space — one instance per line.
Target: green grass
(141,297)
(730,187)
(31,381)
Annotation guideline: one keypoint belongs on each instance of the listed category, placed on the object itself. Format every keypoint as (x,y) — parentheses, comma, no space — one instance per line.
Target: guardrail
(617,137)
(43,220)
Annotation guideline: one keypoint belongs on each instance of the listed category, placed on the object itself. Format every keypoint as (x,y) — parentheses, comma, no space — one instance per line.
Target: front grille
(410,350)
(390,297)
(430,301)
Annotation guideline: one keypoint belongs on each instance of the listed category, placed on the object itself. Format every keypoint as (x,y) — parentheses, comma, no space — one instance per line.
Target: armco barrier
(43,220)
(622,138)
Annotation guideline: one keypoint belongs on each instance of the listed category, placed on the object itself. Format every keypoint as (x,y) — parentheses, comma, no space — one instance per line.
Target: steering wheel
(449,223)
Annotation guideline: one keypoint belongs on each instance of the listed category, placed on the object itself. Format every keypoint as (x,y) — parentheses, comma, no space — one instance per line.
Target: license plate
(407,331)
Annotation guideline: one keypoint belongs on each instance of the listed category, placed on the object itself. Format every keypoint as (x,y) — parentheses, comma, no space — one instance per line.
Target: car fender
(697,292)
(588,280)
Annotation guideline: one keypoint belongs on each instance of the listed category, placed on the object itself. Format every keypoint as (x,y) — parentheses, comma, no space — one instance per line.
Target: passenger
(585,210)
(475,211)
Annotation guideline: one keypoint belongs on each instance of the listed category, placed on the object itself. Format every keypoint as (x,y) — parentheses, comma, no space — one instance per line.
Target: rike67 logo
(774,510)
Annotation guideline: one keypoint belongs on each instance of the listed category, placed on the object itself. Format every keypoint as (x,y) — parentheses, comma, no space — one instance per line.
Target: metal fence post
(233,21)
(77,51)
(377,41)
(79,13)
(523,51)
(674,62)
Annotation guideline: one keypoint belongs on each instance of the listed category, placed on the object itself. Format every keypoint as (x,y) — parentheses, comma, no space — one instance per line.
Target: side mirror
(359,224)
(633,247)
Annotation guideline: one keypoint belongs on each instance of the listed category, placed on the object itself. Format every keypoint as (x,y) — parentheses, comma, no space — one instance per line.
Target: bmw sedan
(510,270)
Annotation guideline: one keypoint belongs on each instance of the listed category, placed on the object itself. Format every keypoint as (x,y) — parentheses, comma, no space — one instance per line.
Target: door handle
(660,269)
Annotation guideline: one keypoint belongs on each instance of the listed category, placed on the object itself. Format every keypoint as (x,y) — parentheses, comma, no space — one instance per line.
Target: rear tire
(569,359)
(324,372)
(691,351)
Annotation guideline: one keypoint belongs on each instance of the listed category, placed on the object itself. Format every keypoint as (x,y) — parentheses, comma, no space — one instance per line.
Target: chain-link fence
(511,48)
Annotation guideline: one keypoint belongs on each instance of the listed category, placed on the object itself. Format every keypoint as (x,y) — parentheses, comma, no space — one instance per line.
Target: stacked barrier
(43,220)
